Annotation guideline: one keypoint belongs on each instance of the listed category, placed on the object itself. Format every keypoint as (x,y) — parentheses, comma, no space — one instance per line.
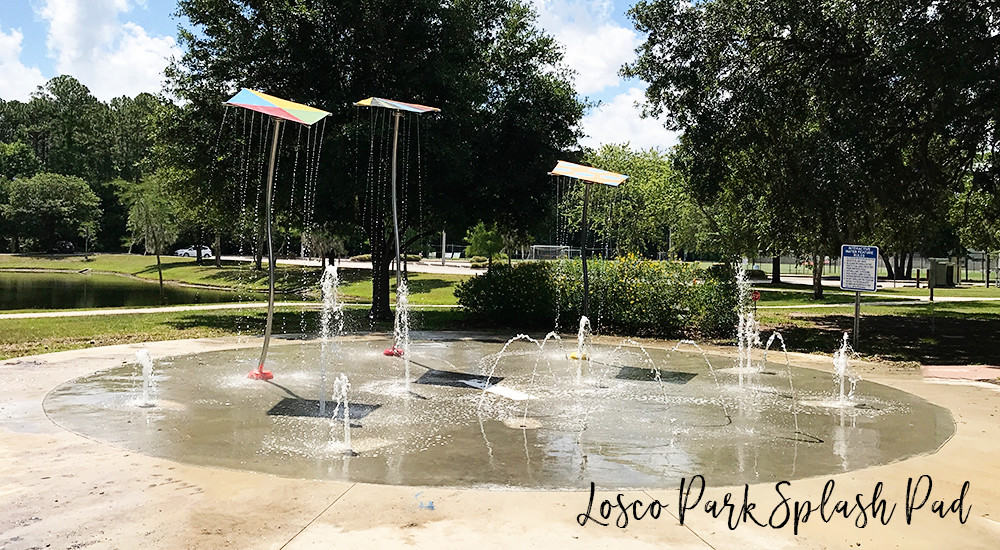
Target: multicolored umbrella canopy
(588,173)
(277,107)
(397,105)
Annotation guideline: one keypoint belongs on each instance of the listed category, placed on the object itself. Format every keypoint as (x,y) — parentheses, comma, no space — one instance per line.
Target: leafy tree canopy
(46,208)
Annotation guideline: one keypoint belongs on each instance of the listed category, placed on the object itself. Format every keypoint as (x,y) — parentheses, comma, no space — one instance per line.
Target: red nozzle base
(260,374)
(393,352)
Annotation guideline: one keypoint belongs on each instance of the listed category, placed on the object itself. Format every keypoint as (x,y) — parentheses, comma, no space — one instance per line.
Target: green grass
(938,333)
(20,337)
(790,298)
(970,291)
(425,288)
(888,293)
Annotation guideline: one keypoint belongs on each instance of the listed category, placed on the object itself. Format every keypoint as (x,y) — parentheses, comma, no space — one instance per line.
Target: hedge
(627,296)
(368,258)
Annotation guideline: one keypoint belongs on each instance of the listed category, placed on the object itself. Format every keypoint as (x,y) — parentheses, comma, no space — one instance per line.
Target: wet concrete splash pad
(538,424)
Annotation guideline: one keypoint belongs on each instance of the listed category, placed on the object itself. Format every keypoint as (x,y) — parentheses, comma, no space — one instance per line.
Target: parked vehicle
(192,252)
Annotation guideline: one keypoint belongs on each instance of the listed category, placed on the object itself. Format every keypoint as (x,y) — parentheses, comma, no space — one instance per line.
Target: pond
(20,290)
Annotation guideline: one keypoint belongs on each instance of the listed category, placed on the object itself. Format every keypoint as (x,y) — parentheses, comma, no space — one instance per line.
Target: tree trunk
(381,259)
(909,266)
(888,267)
(775,270)
(818,277)
(159,269)
(258,258)
(218,250)
(197,249)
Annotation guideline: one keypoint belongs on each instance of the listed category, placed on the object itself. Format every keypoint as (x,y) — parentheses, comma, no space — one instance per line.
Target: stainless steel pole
(583,252)
(395,219)
(270,247)
(857,318)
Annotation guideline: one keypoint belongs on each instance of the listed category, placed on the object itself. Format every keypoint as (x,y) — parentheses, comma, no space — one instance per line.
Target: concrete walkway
(425,266)
(61,490)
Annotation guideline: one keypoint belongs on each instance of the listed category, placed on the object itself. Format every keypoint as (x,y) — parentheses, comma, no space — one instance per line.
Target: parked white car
(192,252)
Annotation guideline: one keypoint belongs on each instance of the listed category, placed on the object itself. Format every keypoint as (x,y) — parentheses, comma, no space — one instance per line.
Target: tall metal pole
(270,253)
(857,318)
(583,252)
(395,219)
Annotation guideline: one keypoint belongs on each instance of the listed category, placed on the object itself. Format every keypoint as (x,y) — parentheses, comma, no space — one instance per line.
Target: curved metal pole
(583,252)
(395,220)
(270,248)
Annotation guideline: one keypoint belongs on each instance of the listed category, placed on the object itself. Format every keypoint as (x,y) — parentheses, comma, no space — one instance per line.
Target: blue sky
(120,47)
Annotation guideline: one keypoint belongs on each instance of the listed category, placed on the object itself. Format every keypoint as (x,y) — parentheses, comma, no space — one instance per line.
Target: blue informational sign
(859,268)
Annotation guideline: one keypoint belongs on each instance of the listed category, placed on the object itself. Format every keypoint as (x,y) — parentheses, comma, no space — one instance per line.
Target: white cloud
(595,46)
(18,80)
(619,121)
(88,41)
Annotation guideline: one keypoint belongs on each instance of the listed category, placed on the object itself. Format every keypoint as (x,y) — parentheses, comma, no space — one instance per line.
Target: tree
(484,241)
(508,107)
(809,125)
(47,208)
(17,160)
(642,215)
(324,242)
(152,215)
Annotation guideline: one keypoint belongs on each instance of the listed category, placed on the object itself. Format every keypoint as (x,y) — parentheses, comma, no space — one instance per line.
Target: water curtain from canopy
(279,110)
(398,107)
(588,175)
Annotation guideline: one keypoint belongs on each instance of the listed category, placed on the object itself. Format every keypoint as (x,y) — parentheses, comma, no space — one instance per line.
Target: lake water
(75,290)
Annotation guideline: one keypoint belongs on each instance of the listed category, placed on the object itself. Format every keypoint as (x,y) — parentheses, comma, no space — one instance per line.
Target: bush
(479,259)
(627,296)
(523,295)
(368,257)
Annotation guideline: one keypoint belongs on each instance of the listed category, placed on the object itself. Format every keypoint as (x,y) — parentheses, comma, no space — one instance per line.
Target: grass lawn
(356,284)
(883,294)
(969,291)
(19,337)
(793,298)
(941,333)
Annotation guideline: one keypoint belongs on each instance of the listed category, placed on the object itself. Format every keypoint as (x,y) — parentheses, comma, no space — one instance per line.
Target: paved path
(427,266)
(174,309)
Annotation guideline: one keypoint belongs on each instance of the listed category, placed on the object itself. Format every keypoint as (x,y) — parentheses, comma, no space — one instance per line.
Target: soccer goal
(551,252)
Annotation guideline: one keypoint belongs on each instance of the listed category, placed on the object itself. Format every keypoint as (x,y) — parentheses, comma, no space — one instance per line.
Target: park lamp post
(279,110)
(587,175)
(398,108)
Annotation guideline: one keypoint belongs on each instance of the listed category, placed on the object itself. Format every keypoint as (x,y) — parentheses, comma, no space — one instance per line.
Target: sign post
(858,273)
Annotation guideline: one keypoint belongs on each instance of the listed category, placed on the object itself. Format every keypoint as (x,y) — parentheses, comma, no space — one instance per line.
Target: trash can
(942,272)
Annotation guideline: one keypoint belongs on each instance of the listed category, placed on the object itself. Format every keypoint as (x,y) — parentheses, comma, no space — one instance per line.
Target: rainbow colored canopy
(588,173)
(277,107)
(397,105)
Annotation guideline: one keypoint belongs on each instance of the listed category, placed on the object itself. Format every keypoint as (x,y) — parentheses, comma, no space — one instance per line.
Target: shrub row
(627,296)
(368,258)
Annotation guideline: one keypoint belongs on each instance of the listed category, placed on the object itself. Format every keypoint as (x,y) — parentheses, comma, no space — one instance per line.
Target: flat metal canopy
(588,173)
(277,107)
(397,105)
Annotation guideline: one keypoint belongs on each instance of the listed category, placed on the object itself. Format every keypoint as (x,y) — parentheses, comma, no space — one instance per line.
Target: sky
(120,47)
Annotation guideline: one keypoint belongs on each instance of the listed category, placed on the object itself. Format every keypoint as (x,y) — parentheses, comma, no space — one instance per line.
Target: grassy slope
(356,286)
(20,337)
